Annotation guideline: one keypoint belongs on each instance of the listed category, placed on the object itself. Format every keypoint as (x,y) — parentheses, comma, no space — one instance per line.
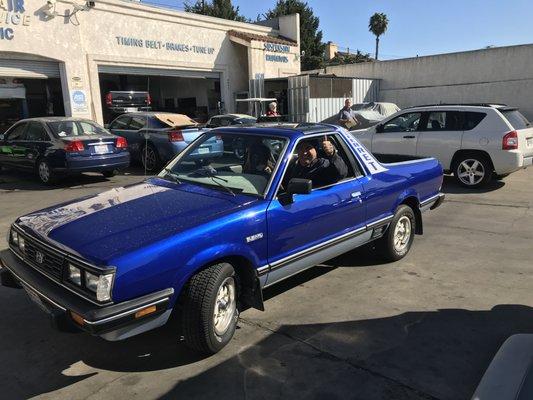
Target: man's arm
(337,167)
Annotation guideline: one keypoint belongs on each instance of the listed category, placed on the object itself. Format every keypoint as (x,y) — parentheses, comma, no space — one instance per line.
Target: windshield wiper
(173,175)
(210,172)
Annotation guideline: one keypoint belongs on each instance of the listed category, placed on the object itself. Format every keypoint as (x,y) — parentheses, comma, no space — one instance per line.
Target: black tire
(468,167)
(199,303)
(109,174)
(150,158)
(45,173)
(386,245)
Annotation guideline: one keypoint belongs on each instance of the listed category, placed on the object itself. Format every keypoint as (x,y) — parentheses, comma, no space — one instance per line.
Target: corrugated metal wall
(303,108)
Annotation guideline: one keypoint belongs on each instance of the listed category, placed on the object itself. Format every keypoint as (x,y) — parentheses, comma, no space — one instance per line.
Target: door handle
(409,137)
(356,196)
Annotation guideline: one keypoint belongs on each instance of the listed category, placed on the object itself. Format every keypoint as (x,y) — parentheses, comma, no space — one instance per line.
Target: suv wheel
(150,158)
(472,170)
(397,241)
(209,308)
(45,172)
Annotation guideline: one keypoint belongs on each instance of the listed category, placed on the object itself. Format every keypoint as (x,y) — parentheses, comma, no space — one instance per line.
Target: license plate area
(36,299)
(529,142)
(131,109)
(203,150)
(101,149)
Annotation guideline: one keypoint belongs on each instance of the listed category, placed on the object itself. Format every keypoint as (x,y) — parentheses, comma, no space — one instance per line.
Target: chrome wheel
(402,234)
(44,172)
(470,172)
(149,158)
(225,306)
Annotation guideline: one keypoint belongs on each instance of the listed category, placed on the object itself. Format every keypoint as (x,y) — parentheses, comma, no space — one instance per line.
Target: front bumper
(112,322)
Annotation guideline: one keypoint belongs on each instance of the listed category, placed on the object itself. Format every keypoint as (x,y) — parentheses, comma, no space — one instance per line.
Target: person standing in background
(347,118)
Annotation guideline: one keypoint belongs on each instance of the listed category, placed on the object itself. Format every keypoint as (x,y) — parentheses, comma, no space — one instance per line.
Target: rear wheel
(472,170)
(397,241)
(150,158)
(209,308)
(109,174)
(44,172)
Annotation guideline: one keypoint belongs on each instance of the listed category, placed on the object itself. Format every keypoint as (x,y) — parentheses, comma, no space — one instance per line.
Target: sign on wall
(276,48)
(78,101)
(163,45)
(12,14)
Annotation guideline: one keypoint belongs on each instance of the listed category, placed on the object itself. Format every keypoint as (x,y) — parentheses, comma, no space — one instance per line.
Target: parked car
(473,142)
(367,114)
(155,138)
(203,242)
(119,102)
(230,119)
(56,146)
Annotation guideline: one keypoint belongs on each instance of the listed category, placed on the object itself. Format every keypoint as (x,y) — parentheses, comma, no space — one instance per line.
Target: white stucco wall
(125,33)
(502,75)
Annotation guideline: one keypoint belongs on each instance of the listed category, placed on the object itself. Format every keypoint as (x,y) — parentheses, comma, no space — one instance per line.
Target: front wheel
(397,241)
(209,313)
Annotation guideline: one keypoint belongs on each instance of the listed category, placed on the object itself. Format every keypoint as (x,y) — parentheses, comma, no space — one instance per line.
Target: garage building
(63,58)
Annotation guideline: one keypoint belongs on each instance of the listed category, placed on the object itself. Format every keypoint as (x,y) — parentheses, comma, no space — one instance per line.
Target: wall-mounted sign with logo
(276,48)
(164,45)
(12,14)
(78,100)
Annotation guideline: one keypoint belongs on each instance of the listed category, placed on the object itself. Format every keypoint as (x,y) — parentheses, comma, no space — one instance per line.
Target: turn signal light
(145,311)
(74,146)
(122,143)
(175,136)
(510,141)
(77,318)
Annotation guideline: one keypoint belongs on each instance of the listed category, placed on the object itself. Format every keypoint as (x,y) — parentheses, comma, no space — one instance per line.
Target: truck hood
(119,220)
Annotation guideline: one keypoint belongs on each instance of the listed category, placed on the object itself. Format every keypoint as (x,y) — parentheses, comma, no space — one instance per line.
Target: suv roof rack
(492,105)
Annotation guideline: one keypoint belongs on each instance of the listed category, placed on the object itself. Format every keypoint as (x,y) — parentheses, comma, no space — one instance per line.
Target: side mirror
(300,186)
(380,128)
(296,186)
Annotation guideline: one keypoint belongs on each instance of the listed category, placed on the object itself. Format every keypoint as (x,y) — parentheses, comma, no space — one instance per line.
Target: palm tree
(378,25)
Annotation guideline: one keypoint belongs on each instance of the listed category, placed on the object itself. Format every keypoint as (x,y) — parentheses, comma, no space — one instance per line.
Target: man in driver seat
(321,170)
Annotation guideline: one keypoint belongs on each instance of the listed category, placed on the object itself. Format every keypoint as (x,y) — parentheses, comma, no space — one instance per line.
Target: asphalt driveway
(422,328)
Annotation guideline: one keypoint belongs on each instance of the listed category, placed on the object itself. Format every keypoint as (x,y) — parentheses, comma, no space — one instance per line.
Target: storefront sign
(79,101)
(162,45)
(277,48)
(276,58)
(12,14)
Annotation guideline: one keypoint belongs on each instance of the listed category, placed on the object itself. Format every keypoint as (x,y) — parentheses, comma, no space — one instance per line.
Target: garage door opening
(29,89)
(197,96)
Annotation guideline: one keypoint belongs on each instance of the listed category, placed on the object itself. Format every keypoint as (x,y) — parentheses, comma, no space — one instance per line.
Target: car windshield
(230,162)
(75,128)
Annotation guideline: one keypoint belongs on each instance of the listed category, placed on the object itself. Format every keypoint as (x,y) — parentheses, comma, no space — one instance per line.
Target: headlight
(99,284)
(14,237)
(74,274)
(22,244)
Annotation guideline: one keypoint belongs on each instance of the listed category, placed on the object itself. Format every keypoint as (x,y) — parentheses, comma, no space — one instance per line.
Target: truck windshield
(233,163)
(75,128)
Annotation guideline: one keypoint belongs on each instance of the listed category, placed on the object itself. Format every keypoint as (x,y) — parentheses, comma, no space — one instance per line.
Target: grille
(49,262)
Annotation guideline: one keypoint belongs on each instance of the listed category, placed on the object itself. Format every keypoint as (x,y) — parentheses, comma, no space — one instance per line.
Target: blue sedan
(56,146)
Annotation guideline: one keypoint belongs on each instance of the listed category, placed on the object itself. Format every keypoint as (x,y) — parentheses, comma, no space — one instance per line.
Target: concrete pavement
(422,328)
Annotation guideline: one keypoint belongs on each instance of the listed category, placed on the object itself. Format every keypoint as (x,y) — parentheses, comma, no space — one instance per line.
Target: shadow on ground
(451,186)
(415,355)
(11,179)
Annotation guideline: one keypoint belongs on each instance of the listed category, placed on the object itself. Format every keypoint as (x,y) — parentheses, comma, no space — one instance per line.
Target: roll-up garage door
(29,69)
(124,70)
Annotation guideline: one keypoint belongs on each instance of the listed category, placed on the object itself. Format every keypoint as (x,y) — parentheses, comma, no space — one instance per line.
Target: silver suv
(474,141)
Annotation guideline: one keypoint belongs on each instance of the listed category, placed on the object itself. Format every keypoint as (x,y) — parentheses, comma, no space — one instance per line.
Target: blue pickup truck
(201,242)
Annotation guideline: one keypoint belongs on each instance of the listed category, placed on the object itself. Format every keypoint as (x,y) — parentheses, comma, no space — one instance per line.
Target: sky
(416,27)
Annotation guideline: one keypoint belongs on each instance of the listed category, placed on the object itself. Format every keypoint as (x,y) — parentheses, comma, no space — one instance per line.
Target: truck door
(398,136)
(440,136)
(302,232)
